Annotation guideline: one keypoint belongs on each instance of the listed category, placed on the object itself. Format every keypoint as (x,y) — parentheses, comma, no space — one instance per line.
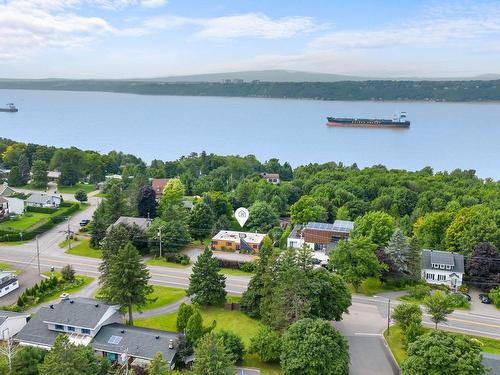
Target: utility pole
(69,235)
(38,255)
(159,235)
(389,317)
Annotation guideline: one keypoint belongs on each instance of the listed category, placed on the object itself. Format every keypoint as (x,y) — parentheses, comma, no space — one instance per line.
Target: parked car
(484,298)
(84,222)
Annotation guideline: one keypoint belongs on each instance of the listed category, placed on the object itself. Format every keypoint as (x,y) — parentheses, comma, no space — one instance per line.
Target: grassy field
(372,286)
(101,195)
(83,249)
(83,282)
(395,342)
(161,262)
(235,272)
(23,222)
(164,296)
(235,321)
(73,189)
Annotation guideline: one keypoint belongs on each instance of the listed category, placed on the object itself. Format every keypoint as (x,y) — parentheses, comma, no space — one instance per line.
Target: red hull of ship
(362,125)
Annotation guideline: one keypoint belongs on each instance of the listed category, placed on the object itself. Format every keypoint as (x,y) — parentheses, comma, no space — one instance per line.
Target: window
(441,277)
(71,329)
(86,331)
(441,266)
(430,276)
(59,327)
(229,243)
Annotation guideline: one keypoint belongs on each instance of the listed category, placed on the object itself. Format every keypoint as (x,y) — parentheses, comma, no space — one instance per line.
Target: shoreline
(258,97)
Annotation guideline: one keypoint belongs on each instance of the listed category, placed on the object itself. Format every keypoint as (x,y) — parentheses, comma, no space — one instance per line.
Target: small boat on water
(397,122)
(10,108)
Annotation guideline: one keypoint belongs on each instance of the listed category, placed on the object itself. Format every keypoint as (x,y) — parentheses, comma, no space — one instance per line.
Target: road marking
(473,322)
(367,334)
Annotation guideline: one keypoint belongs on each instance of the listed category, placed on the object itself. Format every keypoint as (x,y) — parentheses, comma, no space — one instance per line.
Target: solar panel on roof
(115,340)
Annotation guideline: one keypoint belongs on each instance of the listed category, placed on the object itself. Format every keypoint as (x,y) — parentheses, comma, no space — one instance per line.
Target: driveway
(363,328)
(28,277)
(477,307)
(193,253)
(247,371)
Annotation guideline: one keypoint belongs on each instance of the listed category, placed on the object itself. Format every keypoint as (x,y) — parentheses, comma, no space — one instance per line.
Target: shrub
(233,344)
(419,291)
(81,196)
(495,296)
(249,266)
(459,301)
(266,344)
(68,273)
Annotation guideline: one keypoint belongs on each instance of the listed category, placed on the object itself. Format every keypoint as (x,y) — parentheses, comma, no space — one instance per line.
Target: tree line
(344,90)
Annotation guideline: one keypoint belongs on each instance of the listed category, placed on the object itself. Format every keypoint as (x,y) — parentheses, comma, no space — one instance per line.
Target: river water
(444,136)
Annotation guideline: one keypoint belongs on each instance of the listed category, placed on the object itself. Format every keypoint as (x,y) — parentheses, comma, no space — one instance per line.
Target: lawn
(164,296)
(8,267)
(235,272)
(73,189)
(23,222)
(394,340)
(82,282)
(373,285)
(83,249)
(235,321)
(161,262)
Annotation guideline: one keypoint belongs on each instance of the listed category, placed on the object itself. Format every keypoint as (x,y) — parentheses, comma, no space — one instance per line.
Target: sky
(158,38)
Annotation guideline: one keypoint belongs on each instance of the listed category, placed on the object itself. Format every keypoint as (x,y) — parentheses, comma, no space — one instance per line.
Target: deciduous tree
(146,202)
(266,344)
(201,221)
(438,306)
(212,358)
(314,347)
(307,209)
(262,217)
(444,353)
(39,171)
(378,226)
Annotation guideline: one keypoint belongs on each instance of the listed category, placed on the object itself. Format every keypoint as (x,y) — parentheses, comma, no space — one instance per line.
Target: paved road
(363,328)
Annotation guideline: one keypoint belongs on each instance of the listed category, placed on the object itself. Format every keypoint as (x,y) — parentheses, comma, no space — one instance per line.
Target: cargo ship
(10,108)
(397,122)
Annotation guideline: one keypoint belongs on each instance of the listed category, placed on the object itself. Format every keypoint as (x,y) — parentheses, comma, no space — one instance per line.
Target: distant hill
(276,75)
(261,75)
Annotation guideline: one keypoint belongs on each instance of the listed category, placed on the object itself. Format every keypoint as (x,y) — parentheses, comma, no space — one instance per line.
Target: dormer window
(441,266)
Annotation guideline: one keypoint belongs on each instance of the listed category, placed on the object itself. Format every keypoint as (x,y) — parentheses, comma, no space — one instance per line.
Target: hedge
(44,225)
(41,210)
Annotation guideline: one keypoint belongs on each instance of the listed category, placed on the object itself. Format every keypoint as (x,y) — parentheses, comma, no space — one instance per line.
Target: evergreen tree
(252,296)
(15,178)
(127,280)
(194,327)
(27,360)
(398,250)
(212,358)
(24,167)
(233,344)
(69,359)
(39,174)
(114,203)
(206,284)
(158,366)
(116,239)
(201,221)
(100,224)
(414,259)
(185,312)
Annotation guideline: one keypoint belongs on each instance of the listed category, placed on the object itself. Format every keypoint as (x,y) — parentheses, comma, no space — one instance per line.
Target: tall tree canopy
(206,284)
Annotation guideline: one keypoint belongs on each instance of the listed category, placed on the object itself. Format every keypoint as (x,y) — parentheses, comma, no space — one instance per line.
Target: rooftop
(158,184)
(430,257)
(78,312)
(137,341)
(229,235)
(344,226)
(141,222)
(41,198)
(270,175)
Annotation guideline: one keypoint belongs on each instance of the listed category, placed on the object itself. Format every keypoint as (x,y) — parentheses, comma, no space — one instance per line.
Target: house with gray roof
(93,322)
(6,190)
(43,200)
(442,267)
(142,222)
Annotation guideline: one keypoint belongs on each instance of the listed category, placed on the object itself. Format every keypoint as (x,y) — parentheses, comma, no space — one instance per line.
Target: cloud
(248,25)
(441,25)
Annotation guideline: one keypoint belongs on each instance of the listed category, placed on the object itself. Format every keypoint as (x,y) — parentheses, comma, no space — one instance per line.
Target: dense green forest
(346,90)
(443,210)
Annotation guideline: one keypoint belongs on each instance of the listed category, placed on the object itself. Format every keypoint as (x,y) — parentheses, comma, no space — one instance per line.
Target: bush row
(44,225)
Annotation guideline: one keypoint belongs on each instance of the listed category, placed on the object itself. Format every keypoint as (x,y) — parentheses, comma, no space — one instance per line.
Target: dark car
(84,222)
(484,298)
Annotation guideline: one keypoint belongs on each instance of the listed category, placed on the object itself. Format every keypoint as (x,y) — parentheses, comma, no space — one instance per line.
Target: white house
(11,323)
(43,200)
(273,178)
(442,267)
(15,205)
(8,282)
